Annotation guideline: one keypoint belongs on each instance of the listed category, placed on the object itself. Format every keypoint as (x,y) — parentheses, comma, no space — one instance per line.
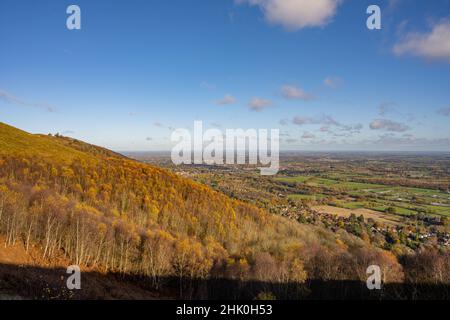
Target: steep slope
(106,212)
(17,142)
(20,143)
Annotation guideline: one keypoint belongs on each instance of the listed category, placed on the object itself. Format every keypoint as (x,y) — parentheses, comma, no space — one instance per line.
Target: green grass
(404,211)
(387,195)
(353,205)
(298,179)
(15,142)
(360,186)
(318,181)
(442,211)
(307,196)
(20,143)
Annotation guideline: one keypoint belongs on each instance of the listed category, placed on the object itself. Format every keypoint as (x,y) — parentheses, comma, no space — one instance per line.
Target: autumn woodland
(88,206)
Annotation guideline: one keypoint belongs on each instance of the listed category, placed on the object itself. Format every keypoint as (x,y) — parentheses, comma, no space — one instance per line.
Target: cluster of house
(442,238)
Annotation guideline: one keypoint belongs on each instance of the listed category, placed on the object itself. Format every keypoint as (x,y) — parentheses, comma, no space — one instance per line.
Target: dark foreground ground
(26,282)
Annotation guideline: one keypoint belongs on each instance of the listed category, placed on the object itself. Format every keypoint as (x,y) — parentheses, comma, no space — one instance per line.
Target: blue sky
(138,69)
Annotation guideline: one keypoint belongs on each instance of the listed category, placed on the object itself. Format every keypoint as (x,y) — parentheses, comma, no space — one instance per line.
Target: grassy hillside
(58,148)
(109,213)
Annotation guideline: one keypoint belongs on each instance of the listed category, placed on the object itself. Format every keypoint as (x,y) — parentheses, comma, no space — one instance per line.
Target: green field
(405,200)
(306,196)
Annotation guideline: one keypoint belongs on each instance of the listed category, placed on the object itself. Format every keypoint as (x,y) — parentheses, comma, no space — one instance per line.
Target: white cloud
(433,45)
(228,99)
(18,101)
(294,93)
(333,82)
(300,121)
(388,125)
(297,14)
(356,128)
(259,104)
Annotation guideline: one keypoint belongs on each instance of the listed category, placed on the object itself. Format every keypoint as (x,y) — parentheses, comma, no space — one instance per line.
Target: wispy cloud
(227,99)
(385,108)
(295,93)
(444,112)
(308,135)
(9,98)
(296,14)
(388,125)
(333,82)
(259,104)
(393,5)
(390,108)
(300,121)
(207,85)
(329,125)
(433,45)
(162,125)
(410,140)
(325,120)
